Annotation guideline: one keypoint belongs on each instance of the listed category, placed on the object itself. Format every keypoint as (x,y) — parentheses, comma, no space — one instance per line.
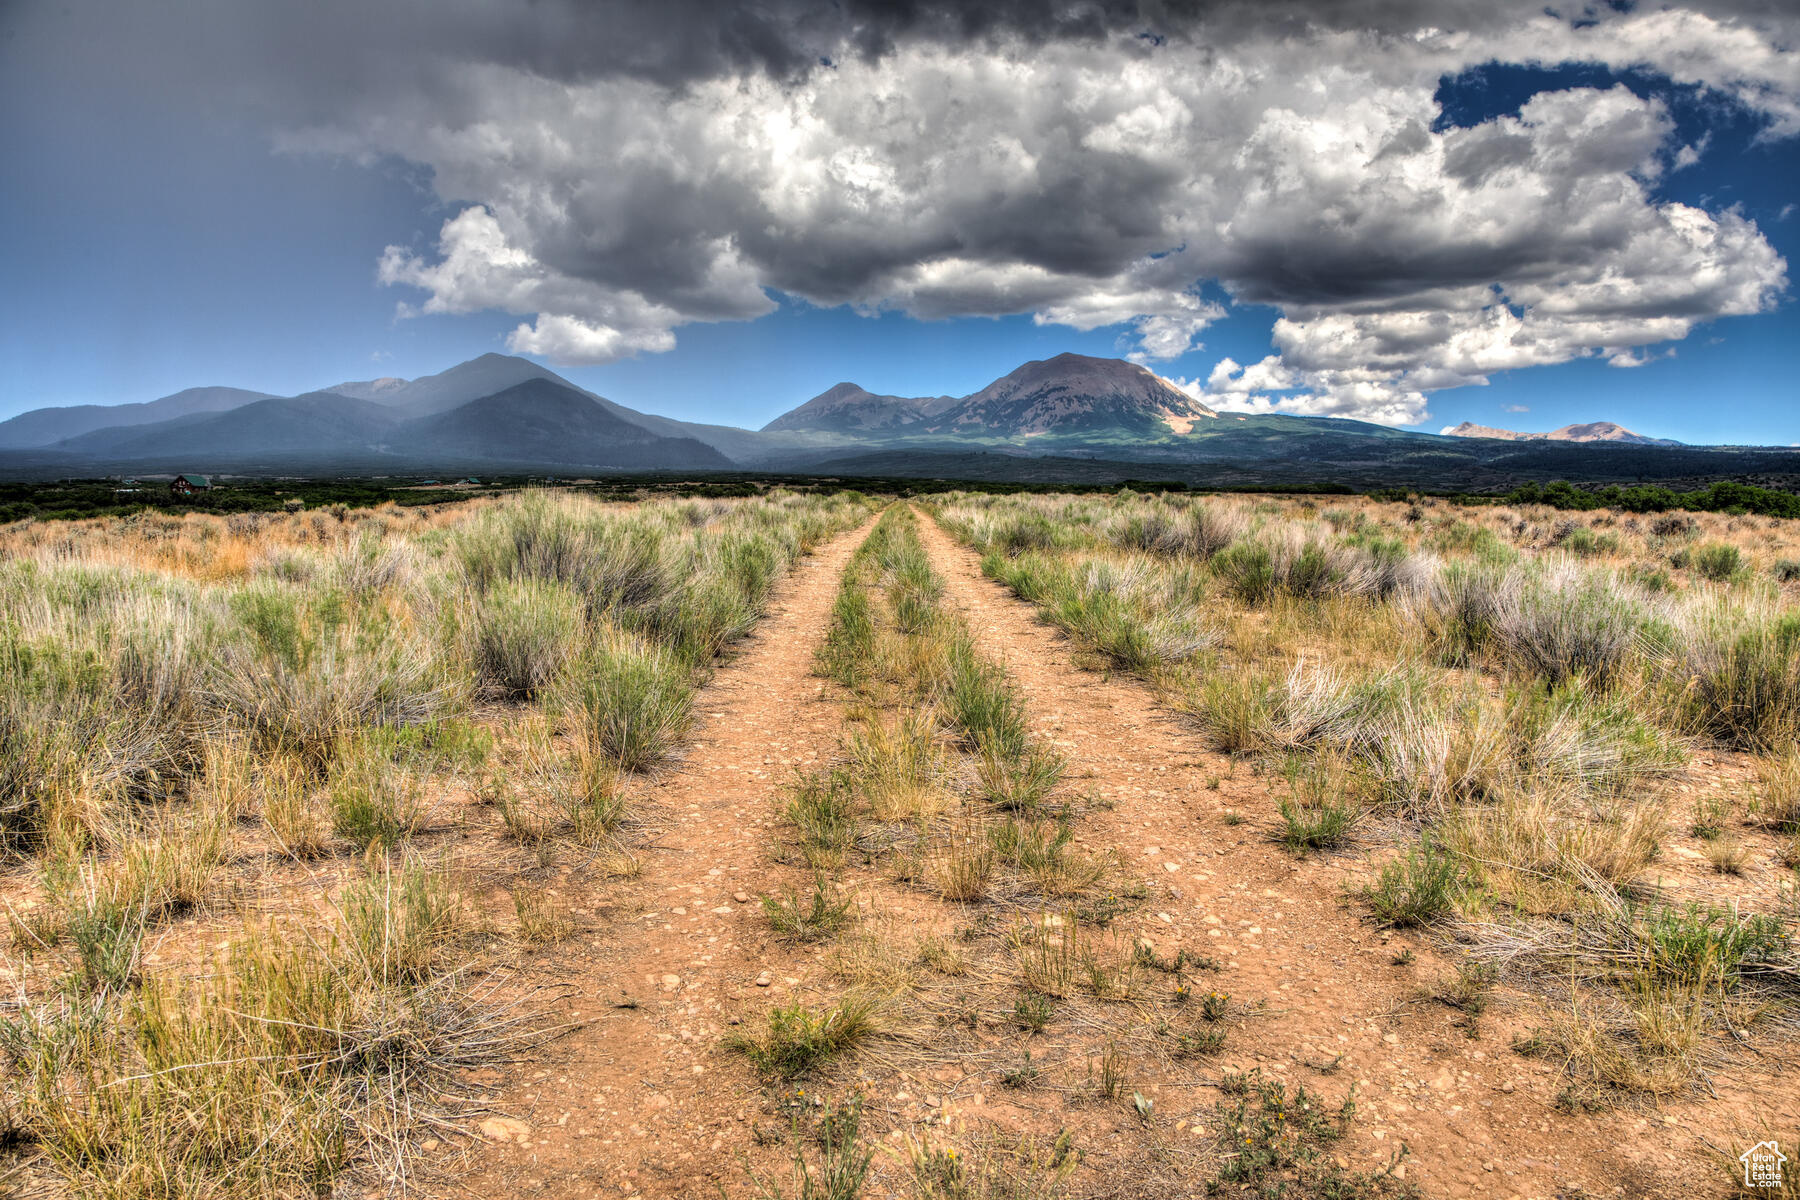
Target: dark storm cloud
(621,169)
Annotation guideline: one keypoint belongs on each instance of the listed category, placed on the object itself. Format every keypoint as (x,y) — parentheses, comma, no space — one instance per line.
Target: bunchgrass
(810,916)
(796,1040)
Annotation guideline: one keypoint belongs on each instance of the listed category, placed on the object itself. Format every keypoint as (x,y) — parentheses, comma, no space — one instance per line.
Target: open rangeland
(980,849)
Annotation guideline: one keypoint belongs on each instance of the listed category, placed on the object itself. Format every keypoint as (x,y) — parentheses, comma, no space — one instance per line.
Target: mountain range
(1062,418)
(1591,431)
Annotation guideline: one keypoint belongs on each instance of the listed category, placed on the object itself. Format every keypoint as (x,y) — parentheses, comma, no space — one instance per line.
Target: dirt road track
(1328,978)
(641,1101)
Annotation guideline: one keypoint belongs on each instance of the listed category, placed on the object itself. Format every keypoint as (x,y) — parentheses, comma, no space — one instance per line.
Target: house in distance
(186,487)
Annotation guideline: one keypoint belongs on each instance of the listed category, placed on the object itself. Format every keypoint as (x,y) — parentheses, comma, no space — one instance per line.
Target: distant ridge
(47,426)
(1070,416)
(1591,431)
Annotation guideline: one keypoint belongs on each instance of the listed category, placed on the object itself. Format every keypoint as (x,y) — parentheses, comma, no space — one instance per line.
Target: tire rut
(1477,1119)
(640,1100)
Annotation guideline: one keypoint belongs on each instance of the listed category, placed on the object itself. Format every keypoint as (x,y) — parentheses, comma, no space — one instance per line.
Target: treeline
(1720,497)
(76,498)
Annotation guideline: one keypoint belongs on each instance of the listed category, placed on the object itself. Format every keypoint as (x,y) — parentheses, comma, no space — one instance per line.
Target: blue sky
(157,242)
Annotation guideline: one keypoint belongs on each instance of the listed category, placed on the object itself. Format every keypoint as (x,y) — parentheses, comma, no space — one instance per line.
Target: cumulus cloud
(620,170)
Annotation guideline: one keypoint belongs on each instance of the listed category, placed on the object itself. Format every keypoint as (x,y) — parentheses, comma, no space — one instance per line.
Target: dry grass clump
(1733,674)
(1777,801)
(797,1040)
(541,918)
(1542,853)
(962,866)
(902,771)
(1655,983)
(567,789)
(1056,957)
(985,1167)
(272,1075)
(296,819)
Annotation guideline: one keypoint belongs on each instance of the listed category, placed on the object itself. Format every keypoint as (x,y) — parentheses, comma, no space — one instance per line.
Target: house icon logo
(1762,1165)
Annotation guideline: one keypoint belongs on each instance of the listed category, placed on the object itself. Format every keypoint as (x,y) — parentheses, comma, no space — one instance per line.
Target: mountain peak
(851,408)
(1074,393)
(1068,393)
(448,389)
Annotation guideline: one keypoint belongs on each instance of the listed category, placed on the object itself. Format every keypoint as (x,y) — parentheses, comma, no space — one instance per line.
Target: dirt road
(643,1101)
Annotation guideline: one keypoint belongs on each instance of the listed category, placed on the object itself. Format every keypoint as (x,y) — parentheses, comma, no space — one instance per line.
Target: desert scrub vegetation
(244,959)
(1494,705)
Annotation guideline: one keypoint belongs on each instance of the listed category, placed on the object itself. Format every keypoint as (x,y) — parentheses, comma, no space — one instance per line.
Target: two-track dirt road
(642,1100)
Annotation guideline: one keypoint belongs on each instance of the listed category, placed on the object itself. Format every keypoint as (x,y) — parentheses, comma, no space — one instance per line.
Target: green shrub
(849,644)
(1247,569)
(1019,783)
(401,922)
(823,812)
(1319,827)
(1416,888)
(307,670)
(1587,543)
(523,632)
(375,796)
(982,703)
(797,1040)
(1699,945)
(1717,561)
(1237,710)
(632,698)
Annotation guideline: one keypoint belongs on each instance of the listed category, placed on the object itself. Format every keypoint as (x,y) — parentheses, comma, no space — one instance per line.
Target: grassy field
(1091,845)
(275,791)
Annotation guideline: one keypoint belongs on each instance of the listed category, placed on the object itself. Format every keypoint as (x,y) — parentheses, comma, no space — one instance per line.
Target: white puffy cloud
(620,171)
(578,321)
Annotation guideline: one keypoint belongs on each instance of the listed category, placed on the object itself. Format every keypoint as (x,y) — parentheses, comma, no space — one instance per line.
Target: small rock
(504,1129)
(1508,1087)
(741,897)
(670,982)
(764,980)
